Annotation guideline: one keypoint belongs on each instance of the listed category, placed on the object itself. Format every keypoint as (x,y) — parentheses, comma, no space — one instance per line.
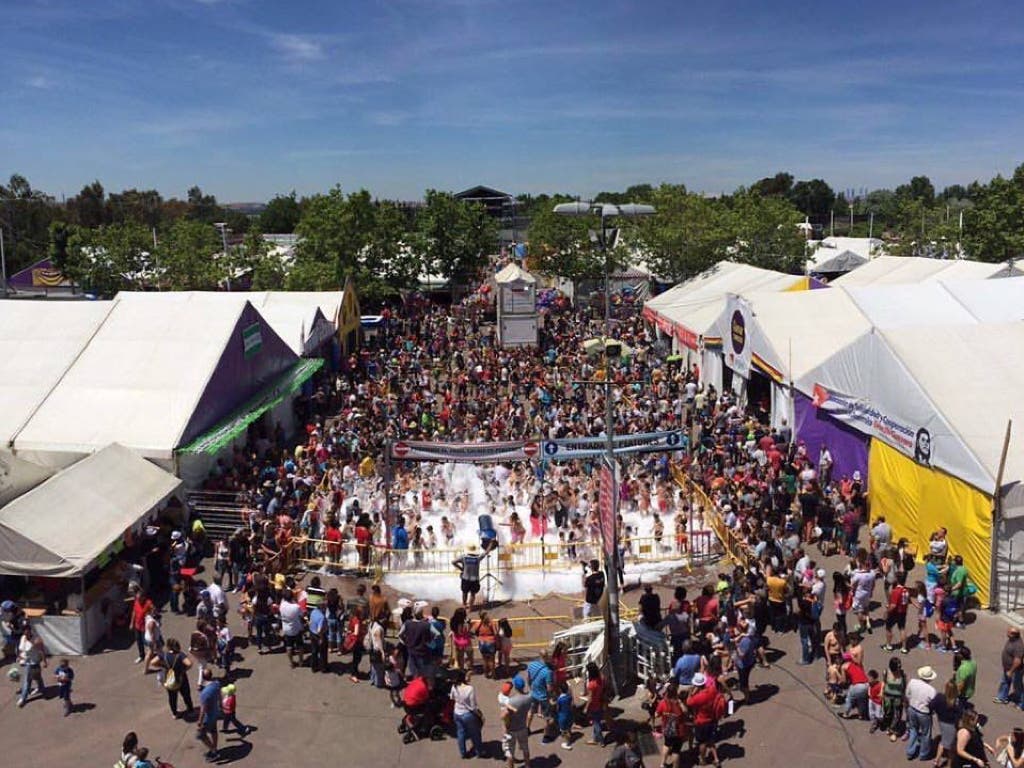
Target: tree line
(139,239)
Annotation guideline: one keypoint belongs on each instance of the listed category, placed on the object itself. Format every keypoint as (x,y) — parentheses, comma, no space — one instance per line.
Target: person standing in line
(317,640)
(593,588)
(1013,669)
(595,704)
(970,745)
(140,609)
(174,666)
(515,715)
(291,627)
(467,721)
(920,694)
(32,657)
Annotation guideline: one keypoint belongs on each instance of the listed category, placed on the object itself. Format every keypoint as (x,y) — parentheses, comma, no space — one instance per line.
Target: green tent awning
(227,430)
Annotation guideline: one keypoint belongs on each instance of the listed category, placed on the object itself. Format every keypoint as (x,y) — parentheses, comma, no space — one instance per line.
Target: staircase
(221,512)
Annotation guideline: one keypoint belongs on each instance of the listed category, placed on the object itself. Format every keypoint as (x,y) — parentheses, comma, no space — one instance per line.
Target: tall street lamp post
(607,211)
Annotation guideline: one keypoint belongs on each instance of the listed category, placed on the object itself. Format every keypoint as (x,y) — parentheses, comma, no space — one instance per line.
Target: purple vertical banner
(815,427)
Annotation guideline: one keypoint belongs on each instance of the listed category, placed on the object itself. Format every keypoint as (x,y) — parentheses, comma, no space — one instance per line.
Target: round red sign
(401,450)
(530,449)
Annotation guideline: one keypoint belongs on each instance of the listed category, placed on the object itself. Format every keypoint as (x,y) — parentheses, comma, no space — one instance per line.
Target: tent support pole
(997,516)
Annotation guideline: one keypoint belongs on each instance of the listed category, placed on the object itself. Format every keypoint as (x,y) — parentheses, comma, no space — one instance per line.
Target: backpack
(171,681)
(949,609)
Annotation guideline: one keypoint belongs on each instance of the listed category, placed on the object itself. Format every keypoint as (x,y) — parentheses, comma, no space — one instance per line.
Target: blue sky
(249,98)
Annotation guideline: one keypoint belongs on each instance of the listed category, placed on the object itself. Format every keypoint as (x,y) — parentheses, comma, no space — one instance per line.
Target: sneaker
(904,650)
(997,700)
(21,703)
(566,745)
(874,727)
(139,660)
(888,647)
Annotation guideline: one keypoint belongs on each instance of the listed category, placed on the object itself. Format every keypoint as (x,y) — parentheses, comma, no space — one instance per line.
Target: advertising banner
(415,450)
(736,346)
(607,495)
(594,447)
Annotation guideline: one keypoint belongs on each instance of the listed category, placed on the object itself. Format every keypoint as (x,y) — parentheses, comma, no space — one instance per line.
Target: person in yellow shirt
(776,585)
(367,467)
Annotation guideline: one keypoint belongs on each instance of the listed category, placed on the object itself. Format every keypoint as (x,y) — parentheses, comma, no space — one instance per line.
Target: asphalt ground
(302,718)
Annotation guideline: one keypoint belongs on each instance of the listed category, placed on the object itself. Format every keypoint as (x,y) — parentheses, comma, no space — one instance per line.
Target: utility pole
(3,262)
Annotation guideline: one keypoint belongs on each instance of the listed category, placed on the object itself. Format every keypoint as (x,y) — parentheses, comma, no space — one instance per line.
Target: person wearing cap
(229,710)
(468,566)
(920,694)
(1012,659)
(514,714)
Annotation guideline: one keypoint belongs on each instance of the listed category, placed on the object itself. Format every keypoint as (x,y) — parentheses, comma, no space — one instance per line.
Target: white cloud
(298,48)
(42,82)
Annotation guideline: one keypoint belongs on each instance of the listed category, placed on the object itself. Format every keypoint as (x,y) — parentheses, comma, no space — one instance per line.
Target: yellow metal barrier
(735,548)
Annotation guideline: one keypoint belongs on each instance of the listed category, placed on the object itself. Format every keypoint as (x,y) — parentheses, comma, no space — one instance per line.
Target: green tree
(920,188)
(281,215)
(25,216)
(779,185)
(561,245)
(89,207)
(994,227)
(454,237)
(812,198)
(688,234)
(254,257)
(202,207)
(141,206)
(765,234)
(388,264)
(187,257)
(333,231)
(105,260)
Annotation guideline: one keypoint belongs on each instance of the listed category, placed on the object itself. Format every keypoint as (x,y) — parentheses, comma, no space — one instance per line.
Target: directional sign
(530,449)
(401,450)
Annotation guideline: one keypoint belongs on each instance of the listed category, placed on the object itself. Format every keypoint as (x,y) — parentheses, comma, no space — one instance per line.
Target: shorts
(209,725)
(705,734)
(470,587)
(511,740)
(861,605)
(896,620)
(543,706)
(673,744)
(292,641)
(487,649)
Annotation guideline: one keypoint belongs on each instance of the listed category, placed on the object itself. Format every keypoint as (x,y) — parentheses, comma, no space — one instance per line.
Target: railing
(534,555)
(735,548)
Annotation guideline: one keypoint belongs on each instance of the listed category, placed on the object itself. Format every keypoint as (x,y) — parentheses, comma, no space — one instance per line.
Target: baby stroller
(433,720)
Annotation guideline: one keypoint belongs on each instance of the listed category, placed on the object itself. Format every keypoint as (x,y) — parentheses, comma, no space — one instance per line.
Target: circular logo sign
(401,450)
(738,332)
(530,449)
(550,448)
(673,438)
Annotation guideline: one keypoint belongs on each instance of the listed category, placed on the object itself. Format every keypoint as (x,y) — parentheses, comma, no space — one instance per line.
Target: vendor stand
(61,543)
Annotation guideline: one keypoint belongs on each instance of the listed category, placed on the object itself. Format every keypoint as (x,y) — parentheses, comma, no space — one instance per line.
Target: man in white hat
(469,566)
(920,694)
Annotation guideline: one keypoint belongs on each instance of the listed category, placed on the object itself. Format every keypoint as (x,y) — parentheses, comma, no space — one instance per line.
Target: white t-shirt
(291,618)
(920,695)
(216,595)
(464,697)
(29,651)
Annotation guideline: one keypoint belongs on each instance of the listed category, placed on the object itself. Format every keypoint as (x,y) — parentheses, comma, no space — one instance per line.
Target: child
(225,647)
(564,715)
(945,615)
(65,674)
(229,706)
(874,700)
(393,680)
(142,759)
(505,645)
(924,611)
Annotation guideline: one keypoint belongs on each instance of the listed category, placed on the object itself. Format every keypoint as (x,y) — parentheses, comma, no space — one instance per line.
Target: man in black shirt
(593,587)
(650,607)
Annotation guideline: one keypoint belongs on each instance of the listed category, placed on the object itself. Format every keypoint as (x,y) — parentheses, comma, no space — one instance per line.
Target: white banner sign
(415,450)
(736,342)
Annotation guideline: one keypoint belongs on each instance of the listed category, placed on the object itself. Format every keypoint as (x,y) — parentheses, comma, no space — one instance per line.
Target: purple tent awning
(849,448)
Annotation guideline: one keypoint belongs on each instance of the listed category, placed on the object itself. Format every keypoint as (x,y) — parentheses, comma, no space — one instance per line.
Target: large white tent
(689,311)
(918,269)
(154,375)
(39,341)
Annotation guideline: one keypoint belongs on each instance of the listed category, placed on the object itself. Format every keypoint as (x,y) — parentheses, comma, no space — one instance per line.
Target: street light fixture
(611,628)
(223,227)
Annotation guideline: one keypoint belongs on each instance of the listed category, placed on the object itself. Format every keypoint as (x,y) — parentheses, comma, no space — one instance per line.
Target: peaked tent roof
(691,308)
(39,341)
(829,260)
(513,273)
(61,527)
(917,269)
(157,372)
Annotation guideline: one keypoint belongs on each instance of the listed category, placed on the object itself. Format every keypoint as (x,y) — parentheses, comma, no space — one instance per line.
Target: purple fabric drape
(849,448)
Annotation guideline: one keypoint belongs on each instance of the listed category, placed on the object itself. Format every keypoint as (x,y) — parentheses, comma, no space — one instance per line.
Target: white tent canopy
(61,527)
(512,274)
(917,269)
(143,376)
(39,341)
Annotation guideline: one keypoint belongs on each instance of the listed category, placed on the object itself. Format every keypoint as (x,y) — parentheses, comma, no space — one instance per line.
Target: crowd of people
(438,374)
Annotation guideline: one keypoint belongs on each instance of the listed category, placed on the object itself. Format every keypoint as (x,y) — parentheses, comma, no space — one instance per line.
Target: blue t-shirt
(209,699)
(316,621)
(539,674)
(563,710)
(400,539)
(686,667)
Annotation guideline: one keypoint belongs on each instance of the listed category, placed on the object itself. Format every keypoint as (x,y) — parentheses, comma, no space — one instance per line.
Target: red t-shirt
(668,709)
(595,695)
(855,674)
(899,598)
(139,611)
(416,693)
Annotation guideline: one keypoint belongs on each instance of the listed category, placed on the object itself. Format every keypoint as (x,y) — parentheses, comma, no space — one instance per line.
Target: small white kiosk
(517,307)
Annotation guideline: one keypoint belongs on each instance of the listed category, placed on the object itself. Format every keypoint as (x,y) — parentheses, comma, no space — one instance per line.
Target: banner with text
(594,447)
(474,453)
(736,340)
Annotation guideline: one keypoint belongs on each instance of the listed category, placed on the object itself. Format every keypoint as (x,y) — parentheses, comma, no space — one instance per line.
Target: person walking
(595,704)
(209,714)
(32,658)
(1013,669)
(229,710)
(920,694)
(174,666)
(467,719)
(141,606)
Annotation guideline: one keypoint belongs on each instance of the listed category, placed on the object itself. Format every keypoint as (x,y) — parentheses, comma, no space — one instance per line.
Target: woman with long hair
(970,746)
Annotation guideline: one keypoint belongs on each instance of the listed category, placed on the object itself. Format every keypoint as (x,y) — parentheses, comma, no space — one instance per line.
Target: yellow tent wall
(916,500)
(349,319)
(802,284)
